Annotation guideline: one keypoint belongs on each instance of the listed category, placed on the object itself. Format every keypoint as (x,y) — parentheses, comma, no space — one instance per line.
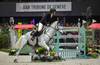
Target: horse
(43,39)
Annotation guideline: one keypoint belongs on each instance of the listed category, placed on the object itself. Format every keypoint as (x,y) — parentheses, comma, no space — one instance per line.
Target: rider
(47,20)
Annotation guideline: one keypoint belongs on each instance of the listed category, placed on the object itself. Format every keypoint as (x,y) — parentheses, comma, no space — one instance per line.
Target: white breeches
(40,26)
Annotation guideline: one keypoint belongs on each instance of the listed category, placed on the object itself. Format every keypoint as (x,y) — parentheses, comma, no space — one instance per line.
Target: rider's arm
(42,22)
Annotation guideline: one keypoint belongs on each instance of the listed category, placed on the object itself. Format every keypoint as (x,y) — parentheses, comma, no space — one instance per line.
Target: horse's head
(55,26)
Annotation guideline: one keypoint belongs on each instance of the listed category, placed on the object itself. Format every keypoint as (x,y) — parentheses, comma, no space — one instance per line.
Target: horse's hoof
(34,58)
(15,61)
(50,58)
(43,58)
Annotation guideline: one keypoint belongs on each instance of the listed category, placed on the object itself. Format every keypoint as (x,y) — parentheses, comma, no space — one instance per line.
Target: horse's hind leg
(23,42)
(32,44)
(17,53)
(32,54)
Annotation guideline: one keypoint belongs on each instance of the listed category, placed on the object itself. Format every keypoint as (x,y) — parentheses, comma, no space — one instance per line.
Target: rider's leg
(38,31)
(33,34)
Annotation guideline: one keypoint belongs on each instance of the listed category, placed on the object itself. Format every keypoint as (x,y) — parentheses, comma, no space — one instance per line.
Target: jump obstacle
(79,50)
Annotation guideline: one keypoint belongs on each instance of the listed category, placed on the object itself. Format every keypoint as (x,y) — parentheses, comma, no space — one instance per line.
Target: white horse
(43,39)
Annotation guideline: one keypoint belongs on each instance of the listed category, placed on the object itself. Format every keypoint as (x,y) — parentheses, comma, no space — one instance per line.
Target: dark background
(79,8)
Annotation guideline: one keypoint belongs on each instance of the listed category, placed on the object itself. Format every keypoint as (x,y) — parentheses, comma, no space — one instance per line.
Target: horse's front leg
(44,45)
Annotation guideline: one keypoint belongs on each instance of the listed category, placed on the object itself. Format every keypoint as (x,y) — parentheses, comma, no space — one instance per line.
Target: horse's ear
(57,27)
